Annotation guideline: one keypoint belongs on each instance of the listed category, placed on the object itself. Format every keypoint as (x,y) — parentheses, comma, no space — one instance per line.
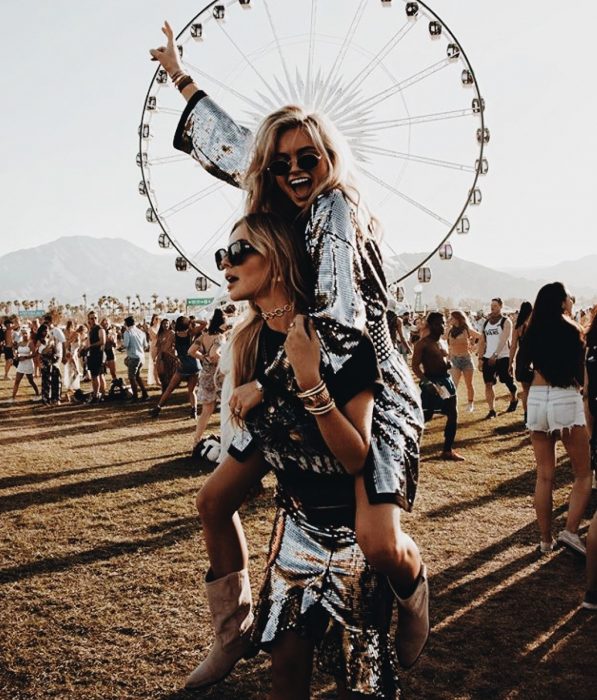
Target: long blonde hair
(263,193)
(275,241)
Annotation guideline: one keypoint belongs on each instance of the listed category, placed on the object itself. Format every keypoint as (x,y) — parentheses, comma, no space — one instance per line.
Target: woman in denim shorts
(460,340)
(554,347)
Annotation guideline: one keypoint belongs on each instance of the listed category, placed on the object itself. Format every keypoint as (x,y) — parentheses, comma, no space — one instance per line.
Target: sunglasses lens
(308,161)
(236,253)
(220,255)
(279,167)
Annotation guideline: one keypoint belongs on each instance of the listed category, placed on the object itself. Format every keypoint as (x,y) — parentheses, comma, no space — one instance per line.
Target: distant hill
(71,266)
(577,274)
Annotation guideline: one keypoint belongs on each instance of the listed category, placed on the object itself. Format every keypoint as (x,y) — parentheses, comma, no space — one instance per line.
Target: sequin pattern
(350,295)
(319,585)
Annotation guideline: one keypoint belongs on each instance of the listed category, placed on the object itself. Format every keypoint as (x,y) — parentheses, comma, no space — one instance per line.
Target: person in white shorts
(554,348)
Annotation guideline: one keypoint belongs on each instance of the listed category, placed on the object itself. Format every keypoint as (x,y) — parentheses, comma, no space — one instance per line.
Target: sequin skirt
(320,586)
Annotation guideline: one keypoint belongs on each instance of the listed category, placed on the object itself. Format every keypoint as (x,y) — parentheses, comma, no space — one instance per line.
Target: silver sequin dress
(318,583)
(350,297)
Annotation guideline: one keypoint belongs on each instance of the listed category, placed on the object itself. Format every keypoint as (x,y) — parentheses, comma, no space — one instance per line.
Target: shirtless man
(430,364)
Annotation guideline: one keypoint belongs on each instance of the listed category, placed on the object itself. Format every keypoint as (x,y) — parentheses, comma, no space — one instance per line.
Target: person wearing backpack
(494,356)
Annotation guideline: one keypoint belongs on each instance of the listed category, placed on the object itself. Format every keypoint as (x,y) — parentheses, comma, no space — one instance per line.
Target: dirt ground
(102,562)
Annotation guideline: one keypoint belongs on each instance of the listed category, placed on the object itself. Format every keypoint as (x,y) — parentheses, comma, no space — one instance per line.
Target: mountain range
(72,266)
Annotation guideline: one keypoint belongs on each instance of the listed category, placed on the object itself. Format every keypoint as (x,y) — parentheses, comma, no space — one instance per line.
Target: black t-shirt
(282,429)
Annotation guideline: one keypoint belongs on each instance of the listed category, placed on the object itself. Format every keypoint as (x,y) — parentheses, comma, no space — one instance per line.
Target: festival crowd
(316,384)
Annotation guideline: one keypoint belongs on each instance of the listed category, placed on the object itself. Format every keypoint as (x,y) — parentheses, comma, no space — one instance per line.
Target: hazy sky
(76,72)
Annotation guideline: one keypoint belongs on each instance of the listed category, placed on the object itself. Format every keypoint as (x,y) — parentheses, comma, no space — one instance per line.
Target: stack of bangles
(181,80)
(317,401)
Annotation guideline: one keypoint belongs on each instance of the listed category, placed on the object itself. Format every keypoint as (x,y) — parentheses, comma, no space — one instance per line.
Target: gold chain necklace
(276,313)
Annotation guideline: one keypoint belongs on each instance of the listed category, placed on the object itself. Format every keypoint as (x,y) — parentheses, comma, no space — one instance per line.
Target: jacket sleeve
(214,139)
(338,310)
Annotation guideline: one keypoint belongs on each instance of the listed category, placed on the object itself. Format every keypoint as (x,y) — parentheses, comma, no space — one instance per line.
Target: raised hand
(168,55)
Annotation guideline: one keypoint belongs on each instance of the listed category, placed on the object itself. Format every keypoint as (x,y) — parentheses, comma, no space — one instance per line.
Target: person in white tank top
(494,356)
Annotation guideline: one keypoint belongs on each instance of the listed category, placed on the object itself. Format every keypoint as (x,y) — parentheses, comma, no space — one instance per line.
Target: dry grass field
(102,562)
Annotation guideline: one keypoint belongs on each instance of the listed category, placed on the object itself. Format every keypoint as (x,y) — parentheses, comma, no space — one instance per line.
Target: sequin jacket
(349,297)
(350,285)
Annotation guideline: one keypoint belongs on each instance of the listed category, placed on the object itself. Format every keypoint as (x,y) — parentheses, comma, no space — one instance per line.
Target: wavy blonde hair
(272,238)
(263,193)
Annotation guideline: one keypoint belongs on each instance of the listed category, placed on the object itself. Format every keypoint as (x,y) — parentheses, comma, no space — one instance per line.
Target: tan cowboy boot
(231,605)
(413,621)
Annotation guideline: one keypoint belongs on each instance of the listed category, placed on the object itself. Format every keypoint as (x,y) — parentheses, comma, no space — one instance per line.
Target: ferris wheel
(389,73)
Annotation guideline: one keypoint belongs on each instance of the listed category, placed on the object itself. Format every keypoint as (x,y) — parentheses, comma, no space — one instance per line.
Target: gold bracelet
(311,392)
(322,410)
(317,400)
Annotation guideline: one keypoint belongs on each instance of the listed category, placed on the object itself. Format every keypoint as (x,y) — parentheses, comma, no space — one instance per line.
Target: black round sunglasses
(306,161)
(236,253)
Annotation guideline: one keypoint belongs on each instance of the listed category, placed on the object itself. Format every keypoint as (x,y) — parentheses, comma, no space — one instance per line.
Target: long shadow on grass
(178,529)
(525,636)
(521,485)
(182,468)
(9,482)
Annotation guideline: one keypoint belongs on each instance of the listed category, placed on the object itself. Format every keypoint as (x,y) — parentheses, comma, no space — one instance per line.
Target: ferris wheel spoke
(358,79)
(192,199)
(250,64)
(216,234)
(279,48)
(409,121)
(165,160)
(225,87)
(169,110)
(308,85)
(378,150)
(339,60)
(405,197)
(382,96)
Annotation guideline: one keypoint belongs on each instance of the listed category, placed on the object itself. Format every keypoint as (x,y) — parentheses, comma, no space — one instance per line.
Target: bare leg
(7,366)
(386,547)
(15,387)
(468,380)
(217,503)
(102,384)
(490,396)
(111,365)
(456,374)
(292,665)
(32,383)
(174,382)
(207,410)
(576,443)
(544,446)
(192,383)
